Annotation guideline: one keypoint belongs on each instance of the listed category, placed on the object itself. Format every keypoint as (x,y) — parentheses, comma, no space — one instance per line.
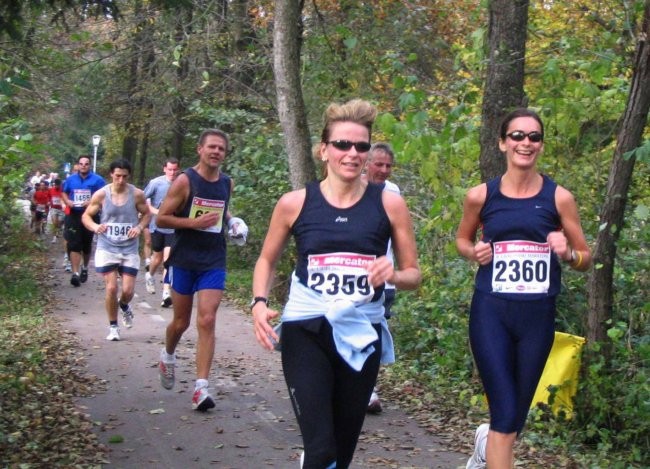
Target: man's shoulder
(391,186)
(158,180)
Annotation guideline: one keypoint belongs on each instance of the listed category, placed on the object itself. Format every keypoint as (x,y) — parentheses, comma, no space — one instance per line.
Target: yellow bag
(561,371)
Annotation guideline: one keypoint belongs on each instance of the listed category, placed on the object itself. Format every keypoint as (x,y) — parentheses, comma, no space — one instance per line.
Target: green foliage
(16,151)
(581,96)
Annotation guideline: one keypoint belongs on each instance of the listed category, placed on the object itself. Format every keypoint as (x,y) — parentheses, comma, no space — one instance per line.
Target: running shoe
(127,317)
(113,333)
(166,371)
(478,461)
(84,275)
(149,283)
(166,300)
(74,280)
(374,406)
(201,400)
(53,239)
(67,266)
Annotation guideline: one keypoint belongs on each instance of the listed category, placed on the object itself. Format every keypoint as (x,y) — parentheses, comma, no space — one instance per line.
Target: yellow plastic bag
(560,373)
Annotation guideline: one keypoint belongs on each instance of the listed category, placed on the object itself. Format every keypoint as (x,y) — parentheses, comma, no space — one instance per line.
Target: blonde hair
(358,111)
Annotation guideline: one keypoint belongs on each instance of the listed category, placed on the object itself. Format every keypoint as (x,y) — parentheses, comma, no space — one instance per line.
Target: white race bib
(340,276)
(117,232)
(80,197)
(521,267)
(201,206)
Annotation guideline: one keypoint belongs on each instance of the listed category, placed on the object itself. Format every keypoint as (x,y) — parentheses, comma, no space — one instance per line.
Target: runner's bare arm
(466,243)
(284,215)
(92,209)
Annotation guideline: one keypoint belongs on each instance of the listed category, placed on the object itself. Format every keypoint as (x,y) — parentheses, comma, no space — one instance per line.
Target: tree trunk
(144,154)
(635,119)
(130,142)
(287,41)
(179,107)
(504,84)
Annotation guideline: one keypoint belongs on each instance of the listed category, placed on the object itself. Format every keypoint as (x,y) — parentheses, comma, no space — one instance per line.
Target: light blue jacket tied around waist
(351,323)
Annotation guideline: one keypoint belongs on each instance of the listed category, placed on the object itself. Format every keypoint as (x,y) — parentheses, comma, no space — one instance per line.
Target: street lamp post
(96,140)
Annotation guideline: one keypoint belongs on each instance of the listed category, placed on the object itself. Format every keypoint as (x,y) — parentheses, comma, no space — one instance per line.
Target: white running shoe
(374,405)
(201,400)
(478,459)
(113,333)
(127,317)
(166,299)
(149,283)
(166,372)
(53,239)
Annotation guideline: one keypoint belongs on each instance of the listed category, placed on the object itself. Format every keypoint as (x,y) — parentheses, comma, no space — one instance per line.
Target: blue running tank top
(330,240)
(202,250)
(523,266)
(119,219)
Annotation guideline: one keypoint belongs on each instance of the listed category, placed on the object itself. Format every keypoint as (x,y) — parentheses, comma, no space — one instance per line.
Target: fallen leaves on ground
(41,374)
(441,418)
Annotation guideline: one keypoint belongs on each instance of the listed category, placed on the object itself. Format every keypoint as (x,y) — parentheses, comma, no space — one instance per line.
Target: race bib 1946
(117,232)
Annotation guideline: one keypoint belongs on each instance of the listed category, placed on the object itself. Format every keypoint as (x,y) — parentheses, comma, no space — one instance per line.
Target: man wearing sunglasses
(379,168)
(77,191)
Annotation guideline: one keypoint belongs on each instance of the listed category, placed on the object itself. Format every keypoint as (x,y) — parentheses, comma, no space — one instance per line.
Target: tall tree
(634,122)
(287,42)
(504,84)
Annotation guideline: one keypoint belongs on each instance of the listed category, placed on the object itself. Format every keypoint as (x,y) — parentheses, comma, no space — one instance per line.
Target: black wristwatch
(257,299)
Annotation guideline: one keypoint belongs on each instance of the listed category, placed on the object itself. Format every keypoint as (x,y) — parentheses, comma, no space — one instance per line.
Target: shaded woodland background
(148,76)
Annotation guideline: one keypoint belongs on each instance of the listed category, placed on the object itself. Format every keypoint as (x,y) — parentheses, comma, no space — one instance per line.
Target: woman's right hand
(483,253)
(264,333)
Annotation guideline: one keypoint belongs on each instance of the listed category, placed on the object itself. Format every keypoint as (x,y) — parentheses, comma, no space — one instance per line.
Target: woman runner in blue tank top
(525,224)
(334,333)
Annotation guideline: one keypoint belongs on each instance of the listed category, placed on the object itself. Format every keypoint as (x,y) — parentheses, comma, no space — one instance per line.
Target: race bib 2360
(521,267)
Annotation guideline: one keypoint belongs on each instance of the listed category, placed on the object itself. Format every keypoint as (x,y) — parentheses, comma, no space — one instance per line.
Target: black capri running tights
(329,398)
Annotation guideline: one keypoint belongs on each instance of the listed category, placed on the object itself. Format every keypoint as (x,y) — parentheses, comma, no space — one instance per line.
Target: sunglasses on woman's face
(519,136)
(345,145)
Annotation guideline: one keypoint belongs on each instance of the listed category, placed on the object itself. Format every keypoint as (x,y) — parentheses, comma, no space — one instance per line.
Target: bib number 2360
(521,267)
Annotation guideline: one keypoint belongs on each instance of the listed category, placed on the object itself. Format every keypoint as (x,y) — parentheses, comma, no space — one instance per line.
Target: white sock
(167,358)
(201,383)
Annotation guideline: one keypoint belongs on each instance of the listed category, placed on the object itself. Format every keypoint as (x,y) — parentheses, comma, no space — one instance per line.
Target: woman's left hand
(559,245)
(380,271)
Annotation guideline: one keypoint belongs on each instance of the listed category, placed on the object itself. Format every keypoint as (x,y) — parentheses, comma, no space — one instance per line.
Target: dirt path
(252,425)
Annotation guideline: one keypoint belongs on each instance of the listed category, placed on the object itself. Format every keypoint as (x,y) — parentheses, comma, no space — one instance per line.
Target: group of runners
(333,333)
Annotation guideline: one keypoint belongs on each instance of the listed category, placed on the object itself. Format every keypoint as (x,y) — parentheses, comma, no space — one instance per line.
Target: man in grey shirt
(161,238)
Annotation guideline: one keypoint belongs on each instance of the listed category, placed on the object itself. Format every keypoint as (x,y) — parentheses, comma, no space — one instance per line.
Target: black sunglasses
(519,136)
(345,145)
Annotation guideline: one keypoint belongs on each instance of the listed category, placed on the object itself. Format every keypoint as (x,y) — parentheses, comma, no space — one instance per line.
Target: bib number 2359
(340,276)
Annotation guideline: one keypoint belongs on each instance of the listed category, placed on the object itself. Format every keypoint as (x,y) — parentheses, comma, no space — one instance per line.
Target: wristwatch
(257,299)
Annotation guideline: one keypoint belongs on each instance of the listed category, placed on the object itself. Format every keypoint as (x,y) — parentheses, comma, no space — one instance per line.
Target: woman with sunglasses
(334,333)
(526,226)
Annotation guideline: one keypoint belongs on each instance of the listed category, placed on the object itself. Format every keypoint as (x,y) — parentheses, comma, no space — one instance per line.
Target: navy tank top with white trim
(321,228)
(526,222)
(202,249)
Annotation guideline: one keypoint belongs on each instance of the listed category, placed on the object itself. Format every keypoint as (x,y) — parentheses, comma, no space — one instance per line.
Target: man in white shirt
(379,167)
